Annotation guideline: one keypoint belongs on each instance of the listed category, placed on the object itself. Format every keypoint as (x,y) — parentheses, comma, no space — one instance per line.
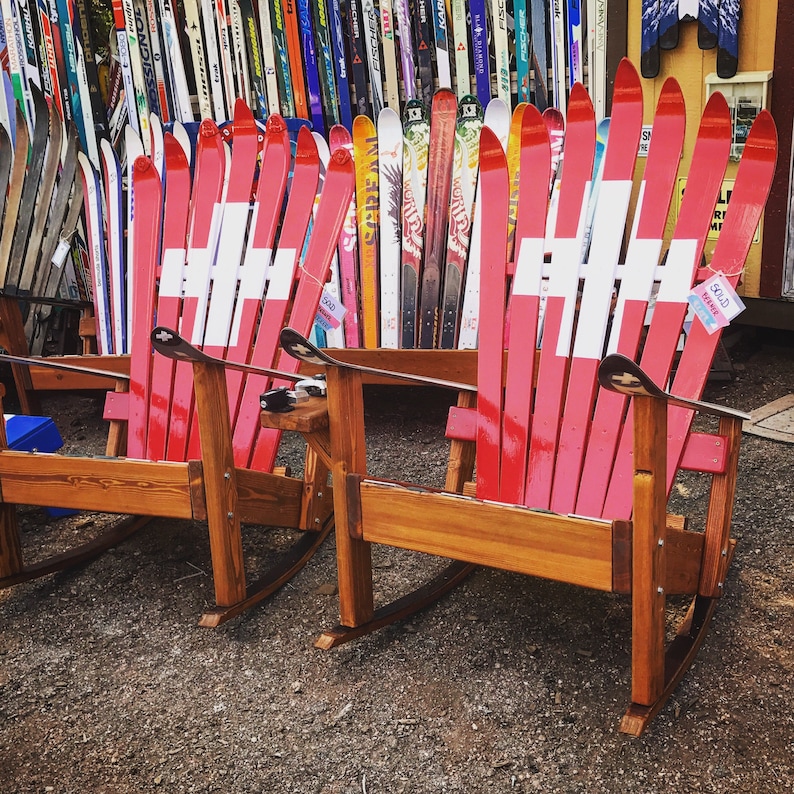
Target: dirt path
(509,684)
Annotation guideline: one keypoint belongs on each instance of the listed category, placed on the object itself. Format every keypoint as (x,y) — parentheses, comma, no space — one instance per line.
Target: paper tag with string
(330,312)
(59,257)
(715,302)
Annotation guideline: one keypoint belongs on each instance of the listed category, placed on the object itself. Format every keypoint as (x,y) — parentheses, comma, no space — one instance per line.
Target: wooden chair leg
(648,556)
(220,483)
(348,447)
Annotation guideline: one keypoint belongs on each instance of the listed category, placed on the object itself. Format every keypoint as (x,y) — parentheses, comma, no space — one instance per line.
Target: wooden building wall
(690,66)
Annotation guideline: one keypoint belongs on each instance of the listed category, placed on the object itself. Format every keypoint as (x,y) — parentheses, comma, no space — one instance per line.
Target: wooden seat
(572,479)
(201,257)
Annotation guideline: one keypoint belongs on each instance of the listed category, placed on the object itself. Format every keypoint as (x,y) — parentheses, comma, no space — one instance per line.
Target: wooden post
(648,557)
(10,549)
(348,448)
(460,468)
(220,483)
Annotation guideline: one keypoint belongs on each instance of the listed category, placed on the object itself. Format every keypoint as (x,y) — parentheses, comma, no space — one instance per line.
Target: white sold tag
(330,312)
(715,302)
(61,251)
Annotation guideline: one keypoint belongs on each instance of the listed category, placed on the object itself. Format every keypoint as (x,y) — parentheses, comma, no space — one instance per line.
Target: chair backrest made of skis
(227,253)
(587,280)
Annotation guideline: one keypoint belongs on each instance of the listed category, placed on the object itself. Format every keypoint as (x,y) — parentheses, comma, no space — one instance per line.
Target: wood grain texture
(648,558)
(348,448)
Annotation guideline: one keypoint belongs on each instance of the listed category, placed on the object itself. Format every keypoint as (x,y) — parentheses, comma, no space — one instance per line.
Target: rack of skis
(325,61)
(406,273)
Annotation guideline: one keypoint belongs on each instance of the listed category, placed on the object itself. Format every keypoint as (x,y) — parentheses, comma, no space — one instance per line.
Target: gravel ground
(509,684)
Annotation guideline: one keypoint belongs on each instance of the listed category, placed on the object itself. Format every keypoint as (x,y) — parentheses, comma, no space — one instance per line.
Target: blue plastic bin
(35,434)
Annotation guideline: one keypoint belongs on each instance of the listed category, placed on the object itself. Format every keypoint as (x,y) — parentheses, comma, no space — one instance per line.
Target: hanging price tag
(715,302)
(61,251)
(330,312)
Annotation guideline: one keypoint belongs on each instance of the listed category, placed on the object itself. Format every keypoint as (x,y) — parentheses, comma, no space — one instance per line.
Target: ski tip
(671,98)
(307,146)
(492,155)
(533,128)
(363,127)
(299,347)
(275,124)
(208,129)
(580,106)
(165,341)
(628,87)
(142,166)
(763,135)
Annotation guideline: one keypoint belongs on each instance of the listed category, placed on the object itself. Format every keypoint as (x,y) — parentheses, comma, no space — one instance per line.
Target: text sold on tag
(330,312)
(715,302)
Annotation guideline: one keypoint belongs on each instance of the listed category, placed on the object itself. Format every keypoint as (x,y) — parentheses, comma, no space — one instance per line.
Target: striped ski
(750,191)
(203,225)
(709,161)
(607,239)
(563,281)
(540,65)
(642,257)
(267,213)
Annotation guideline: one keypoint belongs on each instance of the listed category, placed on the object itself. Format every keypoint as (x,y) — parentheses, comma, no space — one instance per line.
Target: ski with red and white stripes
(709,162)
(281,277)
(605,246)
(443,116)
(337,190)
(563,281)
(169,292)
(642,256)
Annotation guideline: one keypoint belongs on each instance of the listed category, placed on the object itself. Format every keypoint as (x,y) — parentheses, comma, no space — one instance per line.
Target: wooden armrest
(620,374)
(299,347)
(60,364)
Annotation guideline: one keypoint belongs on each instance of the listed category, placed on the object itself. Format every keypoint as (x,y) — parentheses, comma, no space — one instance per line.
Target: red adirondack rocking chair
(193,446)
(572,480)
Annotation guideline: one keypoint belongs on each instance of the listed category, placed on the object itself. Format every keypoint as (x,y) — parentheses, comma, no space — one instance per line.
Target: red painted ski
(306,174)
(750,191)
(594,307)
(525,304)
(709,160)
(267,214)
(560,305)
(205,214)
(642,258)
(495,196)
(315,267)
(147,222)
(169,293)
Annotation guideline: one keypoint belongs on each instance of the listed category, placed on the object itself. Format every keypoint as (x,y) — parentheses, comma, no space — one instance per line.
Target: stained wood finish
(348,450)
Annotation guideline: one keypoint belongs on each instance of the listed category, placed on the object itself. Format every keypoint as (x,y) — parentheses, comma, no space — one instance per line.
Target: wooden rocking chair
(559,492)
(194,271)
